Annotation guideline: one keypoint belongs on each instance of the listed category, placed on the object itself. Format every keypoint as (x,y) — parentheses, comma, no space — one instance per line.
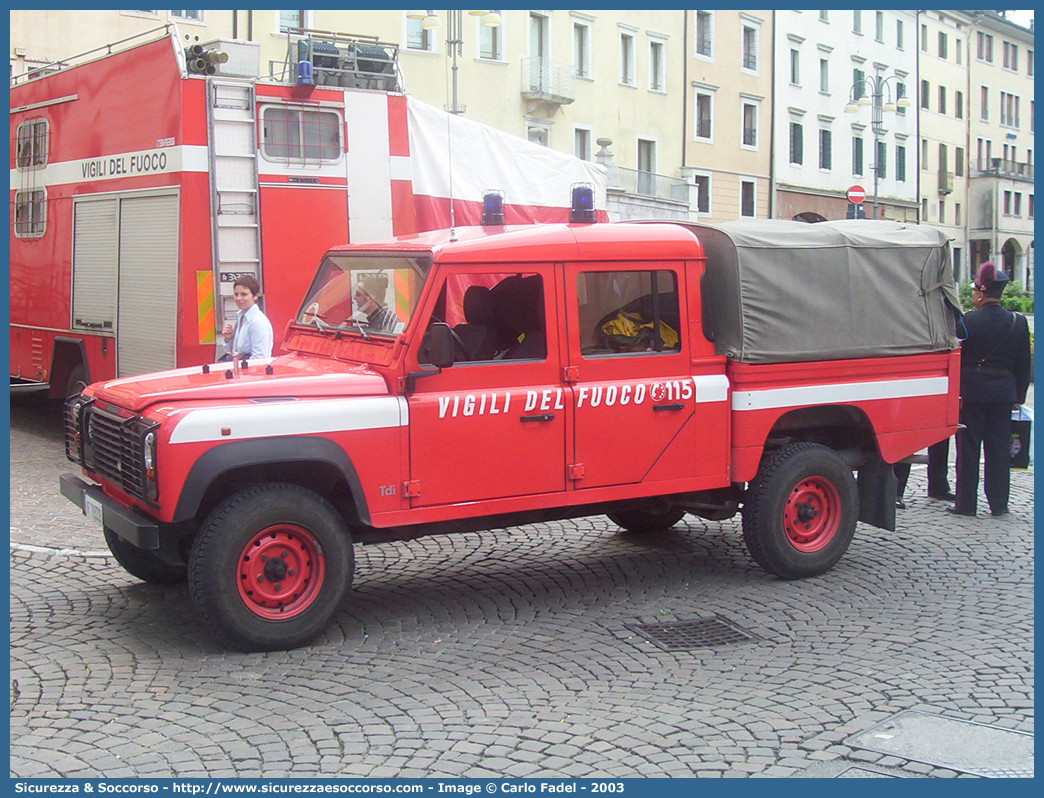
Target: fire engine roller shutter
(148,284)
(94,265)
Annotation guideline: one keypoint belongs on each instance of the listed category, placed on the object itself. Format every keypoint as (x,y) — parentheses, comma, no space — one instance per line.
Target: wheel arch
(66,355)
(838,427)
(325,469)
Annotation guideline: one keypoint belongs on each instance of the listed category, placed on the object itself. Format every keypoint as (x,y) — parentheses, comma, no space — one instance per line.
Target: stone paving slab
(509,653)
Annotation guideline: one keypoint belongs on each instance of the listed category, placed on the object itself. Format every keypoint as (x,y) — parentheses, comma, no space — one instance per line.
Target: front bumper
(126,522)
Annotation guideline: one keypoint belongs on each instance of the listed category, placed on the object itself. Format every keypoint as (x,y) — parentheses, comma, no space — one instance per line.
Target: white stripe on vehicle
(269,419)
(713,388)
(803,396)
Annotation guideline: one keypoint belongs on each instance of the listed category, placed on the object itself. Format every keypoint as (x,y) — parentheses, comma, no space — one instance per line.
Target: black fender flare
(265,451)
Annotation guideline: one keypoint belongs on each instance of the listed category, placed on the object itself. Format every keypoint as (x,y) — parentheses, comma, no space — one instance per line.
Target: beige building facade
(728,110)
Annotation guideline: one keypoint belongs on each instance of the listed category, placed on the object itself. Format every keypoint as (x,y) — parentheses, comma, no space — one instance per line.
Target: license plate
(92,508)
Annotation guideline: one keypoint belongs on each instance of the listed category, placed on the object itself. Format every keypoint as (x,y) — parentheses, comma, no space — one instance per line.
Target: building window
(31,140)
(958,51)
(956,221)
(942,211)
(942,99)
(657,81)
(795,63)
(627,59)
(705,33)
(824,16)
(924,209)
(1011,56)
(879,26)
(796,146)
(958,103)
(858,84)
(582,50)
(747,198)
(300,137)
(824,75)
(646,167)
(924,155)
(297,19)
(1007,203)
(1018,204)
(1029,64)
(924,38)
(825,156)
(491,41)
(857,22)
(537,135)
(1030,208)
(925,100)
(582,143)
(702,194)
(417,38)
(857,156)
(881,164)
(900,163)
(1009,109)
(750,48)
(943,48)
(984,104)
(900,91)
(750,125)
(899,34)
(958,161)
(984,47)
(704,110)
(30,213)
(194,15)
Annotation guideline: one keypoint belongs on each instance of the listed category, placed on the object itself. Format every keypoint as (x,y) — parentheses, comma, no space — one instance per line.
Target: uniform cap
(990,277)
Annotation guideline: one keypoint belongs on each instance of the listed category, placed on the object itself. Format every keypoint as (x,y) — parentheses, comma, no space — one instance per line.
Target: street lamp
(880,99)
(454,40)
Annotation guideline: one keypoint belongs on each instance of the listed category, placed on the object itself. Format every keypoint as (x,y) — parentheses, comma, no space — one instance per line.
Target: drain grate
(689,635)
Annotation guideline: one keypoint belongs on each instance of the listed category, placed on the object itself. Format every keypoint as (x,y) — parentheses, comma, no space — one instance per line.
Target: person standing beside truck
(995,371)
(251,334)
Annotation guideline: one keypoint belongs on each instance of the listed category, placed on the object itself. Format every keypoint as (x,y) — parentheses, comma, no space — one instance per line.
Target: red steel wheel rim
(280,572)
(812,514)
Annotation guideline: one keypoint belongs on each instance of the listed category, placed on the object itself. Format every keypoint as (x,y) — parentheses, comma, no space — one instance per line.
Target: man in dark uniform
(995,371)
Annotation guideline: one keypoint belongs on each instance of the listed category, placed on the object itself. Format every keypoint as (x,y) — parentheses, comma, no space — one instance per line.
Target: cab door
(629,356)
(493,425)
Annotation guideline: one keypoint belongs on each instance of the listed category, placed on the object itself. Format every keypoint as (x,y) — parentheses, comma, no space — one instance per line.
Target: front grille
(114,449)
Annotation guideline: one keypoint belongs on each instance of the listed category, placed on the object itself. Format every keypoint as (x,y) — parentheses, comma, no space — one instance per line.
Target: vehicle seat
(520,317)
(478,331)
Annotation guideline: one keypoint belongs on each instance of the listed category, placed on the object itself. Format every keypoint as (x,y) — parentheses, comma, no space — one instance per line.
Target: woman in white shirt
(251,335)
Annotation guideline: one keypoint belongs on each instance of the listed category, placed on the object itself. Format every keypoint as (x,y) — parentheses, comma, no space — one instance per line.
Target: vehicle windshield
(373,295)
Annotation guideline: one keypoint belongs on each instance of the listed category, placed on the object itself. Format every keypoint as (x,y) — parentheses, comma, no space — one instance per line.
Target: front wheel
(270,567)
(801,511)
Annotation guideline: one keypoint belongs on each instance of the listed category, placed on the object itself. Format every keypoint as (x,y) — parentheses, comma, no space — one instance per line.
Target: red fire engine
(145,181)
(644,371)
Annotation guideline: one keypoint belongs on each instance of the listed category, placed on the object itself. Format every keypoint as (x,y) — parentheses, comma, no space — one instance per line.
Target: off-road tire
(270,567)
(801,511)
(143,563)
(644,522)
(77,381)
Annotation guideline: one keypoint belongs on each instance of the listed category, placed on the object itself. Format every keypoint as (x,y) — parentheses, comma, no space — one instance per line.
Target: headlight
(149,452)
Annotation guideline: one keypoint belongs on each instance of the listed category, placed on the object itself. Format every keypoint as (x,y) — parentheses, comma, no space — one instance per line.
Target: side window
(31,144)
(300,137)
(622,313)
(493,317)
(30,213)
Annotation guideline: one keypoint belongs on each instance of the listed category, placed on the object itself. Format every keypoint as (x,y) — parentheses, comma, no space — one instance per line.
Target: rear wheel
(646,521)
(270,567)
(801,511)
(143,563)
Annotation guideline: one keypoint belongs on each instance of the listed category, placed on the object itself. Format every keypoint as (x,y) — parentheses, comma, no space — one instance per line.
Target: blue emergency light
(304,74)
(492,208)
(582,211)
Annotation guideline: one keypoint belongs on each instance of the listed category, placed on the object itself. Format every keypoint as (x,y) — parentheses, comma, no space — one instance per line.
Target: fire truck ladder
(233,192)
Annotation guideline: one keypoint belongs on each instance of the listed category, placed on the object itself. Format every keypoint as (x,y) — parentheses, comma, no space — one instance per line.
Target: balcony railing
(648,184)
(1001,167)
(945,182)
(548,81)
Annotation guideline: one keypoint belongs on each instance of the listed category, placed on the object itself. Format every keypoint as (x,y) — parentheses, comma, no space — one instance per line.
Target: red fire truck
(143,182)
(643,371)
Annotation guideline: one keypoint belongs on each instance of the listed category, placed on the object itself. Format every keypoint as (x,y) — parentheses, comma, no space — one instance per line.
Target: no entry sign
(856,194)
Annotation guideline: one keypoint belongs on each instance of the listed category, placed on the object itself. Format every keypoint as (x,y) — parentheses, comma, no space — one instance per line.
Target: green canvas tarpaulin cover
(778,291)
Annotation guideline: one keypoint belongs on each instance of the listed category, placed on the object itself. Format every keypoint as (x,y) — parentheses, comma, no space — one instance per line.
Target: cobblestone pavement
(509,653)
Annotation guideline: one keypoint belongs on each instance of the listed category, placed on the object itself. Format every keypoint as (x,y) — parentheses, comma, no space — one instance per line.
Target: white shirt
(253,334)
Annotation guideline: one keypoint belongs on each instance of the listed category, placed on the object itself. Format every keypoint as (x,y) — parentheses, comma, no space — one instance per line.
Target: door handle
(541,417)
(673,406)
